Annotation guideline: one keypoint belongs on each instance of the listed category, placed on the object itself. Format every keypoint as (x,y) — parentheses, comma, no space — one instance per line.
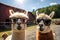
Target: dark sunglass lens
(38,20)
(14,20)
(22,20)
(47,22)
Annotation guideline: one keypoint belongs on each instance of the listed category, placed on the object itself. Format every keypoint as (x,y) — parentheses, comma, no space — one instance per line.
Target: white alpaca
(18,25)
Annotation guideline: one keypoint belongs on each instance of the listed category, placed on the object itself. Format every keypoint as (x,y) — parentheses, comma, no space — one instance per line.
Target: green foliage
(34,12)
(49,9)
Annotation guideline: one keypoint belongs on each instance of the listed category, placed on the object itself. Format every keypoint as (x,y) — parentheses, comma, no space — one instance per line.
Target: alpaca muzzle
(41,27)
(19,24)
(19,27)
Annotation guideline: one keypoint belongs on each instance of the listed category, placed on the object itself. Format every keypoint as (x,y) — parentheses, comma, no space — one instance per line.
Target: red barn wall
(4,13)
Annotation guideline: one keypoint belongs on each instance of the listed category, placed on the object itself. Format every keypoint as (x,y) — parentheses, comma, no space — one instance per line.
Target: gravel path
(31,34)
(57,31)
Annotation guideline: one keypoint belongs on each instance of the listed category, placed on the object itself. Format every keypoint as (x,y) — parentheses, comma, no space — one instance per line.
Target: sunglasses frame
(46,21)
(22,20)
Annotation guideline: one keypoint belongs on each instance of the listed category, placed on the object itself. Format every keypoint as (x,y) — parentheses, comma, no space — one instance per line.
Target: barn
(4,15)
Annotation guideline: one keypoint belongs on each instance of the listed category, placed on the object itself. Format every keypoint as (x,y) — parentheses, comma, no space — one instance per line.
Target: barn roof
(4,12)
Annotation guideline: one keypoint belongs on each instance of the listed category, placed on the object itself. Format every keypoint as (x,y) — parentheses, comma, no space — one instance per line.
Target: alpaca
(44,31)
(18,25)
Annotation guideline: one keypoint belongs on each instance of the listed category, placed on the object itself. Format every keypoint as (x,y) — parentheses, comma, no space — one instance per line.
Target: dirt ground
(31,34)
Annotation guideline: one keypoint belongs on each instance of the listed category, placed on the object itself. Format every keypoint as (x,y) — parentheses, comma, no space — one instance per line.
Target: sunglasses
(46,21)
(16,19)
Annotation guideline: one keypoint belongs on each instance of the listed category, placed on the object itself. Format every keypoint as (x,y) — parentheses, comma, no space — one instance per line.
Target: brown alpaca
(44,32)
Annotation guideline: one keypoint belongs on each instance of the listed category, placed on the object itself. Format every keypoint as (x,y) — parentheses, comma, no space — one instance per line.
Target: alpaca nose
(41,27)
(19,24)
(19,27)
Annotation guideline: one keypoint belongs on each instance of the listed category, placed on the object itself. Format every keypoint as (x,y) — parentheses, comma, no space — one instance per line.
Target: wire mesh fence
(5,26)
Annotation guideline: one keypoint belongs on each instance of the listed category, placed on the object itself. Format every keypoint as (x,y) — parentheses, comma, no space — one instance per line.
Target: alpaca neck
(18,35)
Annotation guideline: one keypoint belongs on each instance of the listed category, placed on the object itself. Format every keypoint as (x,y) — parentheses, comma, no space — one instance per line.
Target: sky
(29,5)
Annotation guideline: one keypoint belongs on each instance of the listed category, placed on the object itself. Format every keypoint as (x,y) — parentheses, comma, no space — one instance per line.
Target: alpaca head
(18,19)
(44,21)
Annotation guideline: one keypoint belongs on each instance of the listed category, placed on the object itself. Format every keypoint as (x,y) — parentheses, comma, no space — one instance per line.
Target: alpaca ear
(26,12)
(11,11)
(52,14)
(37,13)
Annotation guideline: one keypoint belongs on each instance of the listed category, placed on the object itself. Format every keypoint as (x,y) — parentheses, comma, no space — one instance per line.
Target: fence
(5,25)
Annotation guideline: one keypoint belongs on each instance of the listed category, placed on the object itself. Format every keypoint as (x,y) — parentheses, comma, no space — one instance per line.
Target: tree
(34,12)
(49,9)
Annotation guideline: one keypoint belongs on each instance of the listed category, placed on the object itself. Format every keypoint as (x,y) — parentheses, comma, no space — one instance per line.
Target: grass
(9,32)
(31,27)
